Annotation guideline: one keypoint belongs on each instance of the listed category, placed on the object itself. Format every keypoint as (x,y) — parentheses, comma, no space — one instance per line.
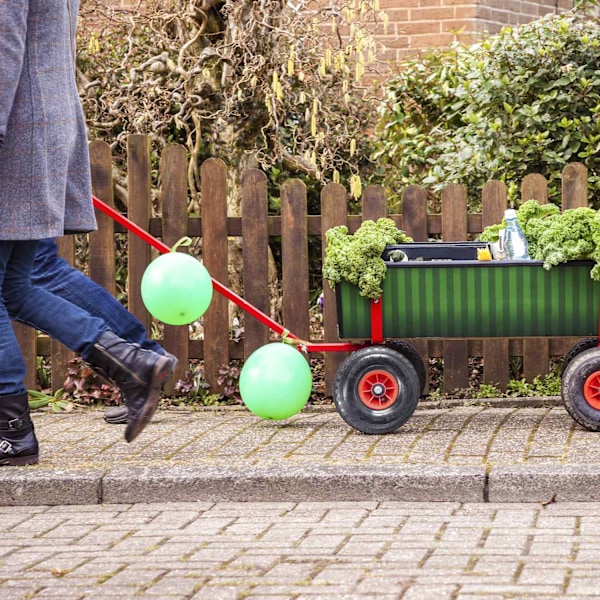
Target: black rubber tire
(574,377)
(578,348)
(414,357)
(362,363)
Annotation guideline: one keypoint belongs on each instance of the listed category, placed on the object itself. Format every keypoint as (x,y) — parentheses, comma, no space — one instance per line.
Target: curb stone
(130,485)
(407,483)
(280,483)
(545,483)
(28,486)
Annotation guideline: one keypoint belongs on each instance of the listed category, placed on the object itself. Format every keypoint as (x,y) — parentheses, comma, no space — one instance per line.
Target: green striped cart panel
(469,299)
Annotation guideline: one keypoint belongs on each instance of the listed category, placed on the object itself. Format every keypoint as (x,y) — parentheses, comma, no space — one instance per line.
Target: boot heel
(139,373)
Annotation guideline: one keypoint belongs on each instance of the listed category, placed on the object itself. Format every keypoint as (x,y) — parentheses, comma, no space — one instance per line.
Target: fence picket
(139,209)
(256,256)
(495,352)
(60,355)
(374,205)
(27,339)
(454,229)
(334,212)
(534,187)
(213,175)
(294,250)
(414,223)
(173,170)
(574,194)
(414,212)
(574,186)
(102,242)
(536,352)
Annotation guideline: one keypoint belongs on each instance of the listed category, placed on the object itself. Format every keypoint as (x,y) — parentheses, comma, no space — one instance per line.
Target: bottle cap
(510,213)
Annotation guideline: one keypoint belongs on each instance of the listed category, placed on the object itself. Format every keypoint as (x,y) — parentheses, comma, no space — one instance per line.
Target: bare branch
(229,77)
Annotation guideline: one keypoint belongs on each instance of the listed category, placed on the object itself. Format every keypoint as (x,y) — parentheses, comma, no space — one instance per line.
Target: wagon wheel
(376,389)
(578,348)
(414,357)
(581,388)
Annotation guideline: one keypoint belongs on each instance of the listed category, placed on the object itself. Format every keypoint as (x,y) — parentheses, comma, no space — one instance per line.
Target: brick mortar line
(532,433)
(459,431)
(419,436)
(493,437)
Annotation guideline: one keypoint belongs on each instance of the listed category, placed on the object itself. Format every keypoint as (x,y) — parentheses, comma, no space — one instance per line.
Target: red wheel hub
(591,390)
(378,389)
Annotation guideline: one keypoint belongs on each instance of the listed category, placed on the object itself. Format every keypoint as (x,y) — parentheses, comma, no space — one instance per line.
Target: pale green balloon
(176,288)
(275,381)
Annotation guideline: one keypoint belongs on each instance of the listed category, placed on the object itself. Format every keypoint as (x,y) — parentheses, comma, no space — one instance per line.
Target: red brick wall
(421,24)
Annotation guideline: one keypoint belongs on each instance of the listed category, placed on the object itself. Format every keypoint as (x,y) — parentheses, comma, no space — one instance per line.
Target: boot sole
(116,421)
(160,375)
(20,461)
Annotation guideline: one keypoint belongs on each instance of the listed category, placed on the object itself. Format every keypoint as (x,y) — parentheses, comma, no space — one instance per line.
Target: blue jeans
(57,276)
(35,306)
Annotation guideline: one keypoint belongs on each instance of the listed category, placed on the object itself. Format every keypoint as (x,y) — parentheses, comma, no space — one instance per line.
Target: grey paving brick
(432,561)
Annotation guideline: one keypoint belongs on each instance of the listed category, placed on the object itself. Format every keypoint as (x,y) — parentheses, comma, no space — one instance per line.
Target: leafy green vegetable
(530,214)
(567,237)
(557,238)
(357,258)
(492,233)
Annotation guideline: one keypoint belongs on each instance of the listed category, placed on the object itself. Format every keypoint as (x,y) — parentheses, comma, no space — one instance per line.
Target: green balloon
(176,288)
(275,381)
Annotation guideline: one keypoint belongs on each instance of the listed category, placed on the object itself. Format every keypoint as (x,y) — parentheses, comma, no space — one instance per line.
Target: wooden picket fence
(454,223)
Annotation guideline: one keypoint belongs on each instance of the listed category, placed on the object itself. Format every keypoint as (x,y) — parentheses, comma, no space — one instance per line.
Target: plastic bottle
(515,242)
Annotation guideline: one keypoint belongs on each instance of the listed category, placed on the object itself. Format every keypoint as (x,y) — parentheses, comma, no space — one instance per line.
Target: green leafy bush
(525,100)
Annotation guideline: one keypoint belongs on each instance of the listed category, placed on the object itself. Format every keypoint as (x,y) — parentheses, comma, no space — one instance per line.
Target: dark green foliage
(525,100)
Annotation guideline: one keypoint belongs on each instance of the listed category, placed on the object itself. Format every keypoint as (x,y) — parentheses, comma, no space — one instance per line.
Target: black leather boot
(18,444)
(118,415)
(139,373)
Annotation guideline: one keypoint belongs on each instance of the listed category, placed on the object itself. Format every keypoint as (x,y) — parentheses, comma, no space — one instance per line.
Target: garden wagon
(443,291)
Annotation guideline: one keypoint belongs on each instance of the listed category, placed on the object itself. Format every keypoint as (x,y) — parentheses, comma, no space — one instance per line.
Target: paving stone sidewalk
(301,551)
(495,452)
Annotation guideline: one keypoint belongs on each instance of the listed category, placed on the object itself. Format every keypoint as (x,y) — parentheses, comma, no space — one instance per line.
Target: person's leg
(138,372)
(18,444)
(45,311)
(57,276)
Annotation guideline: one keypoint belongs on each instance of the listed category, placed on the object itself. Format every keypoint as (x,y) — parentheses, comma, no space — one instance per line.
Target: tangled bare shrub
(235,78)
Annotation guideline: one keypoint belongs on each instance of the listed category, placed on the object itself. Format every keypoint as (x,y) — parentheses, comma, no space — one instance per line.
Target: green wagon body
(470,299)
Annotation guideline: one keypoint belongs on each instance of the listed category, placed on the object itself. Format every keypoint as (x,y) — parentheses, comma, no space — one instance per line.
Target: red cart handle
(225,291)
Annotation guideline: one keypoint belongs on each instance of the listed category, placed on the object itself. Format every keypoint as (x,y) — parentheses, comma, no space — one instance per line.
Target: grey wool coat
(45,185)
